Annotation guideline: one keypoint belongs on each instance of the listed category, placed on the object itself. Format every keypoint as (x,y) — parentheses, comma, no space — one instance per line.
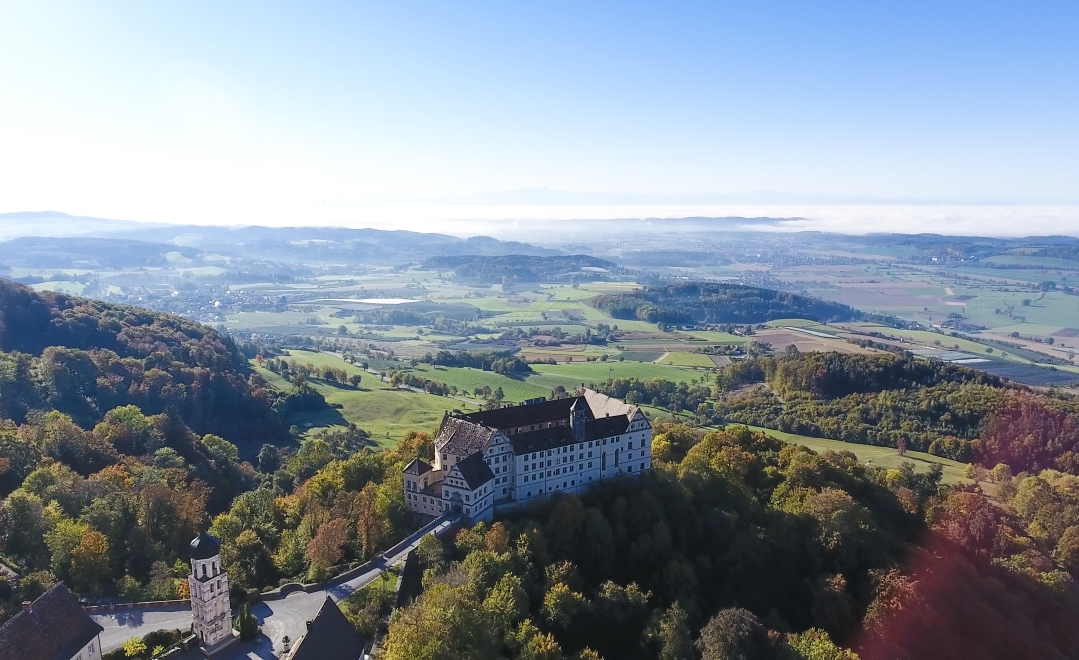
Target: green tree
(134,648)
(674,636)
(507,602)
(735,634)
(246,624)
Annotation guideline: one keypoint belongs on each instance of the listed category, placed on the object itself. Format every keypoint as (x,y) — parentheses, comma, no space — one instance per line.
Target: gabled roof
(329,636)
(54,628)
(417,466)
(602,405)
(526,415)
(461,437)
(605,427)
(541,439)
(474,470)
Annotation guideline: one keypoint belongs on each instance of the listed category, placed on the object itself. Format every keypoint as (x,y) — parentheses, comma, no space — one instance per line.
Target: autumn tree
(326,548)
(371,525)
(90,561)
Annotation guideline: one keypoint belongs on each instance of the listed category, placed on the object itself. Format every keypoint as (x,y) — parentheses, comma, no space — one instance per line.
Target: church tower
(210,594)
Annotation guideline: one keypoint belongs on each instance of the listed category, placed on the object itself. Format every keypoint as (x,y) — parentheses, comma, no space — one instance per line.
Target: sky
(883,116)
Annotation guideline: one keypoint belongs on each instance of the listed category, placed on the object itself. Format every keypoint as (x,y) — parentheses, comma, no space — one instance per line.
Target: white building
(209,584)
(54,627)
(509,456)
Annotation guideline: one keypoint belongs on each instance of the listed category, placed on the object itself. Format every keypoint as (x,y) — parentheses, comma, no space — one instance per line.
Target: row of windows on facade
(629,468)
(561,450)
(569,469)
(434,501)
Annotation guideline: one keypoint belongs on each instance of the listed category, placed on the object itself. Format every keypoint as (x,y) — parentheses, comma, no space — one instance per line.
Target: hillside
(718,303)
(84,357)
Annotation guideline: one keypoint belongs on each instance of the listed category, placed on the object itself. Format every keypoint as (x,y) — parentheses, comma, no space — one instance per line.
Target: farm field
(384,412)
(573,374)
(686,359)
(467,379)
(886,457)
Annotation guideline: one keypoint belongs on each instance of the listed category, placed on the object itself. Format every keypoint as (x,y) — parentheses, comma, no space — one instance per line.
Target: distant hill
(481,269)
(718,303)
(55,240)
(88,252)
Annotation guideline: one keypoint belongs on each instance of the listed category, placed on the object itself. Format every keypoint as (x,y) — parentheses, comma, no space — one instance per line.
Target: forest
(718,303)
(946,410)
(740,546)
(124,432)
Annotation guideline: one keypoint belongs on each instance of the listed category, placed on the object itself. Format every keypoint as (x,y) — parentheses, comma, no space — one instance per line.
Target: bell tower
(210,594)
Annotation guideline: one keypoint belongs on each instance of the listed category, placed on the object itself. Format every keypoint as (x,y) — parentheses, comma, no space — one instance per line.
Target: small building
(209,584)
(53,627)
(329,636)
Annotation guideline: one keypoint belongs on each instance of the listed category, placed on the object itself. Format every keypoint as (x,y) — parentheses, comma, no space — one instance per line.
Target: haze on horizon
(946,117)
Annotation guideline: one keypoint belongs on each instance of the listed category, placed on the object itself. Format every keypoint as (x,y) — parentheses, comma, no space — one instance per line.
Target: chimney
(27,606)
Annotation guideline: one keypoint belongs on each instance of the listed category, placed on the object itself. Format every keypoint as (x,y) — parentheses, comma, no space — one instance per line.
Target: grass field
(386,413)
(684,359)
(467,380)
(714,337)
(885,457)
(573,374)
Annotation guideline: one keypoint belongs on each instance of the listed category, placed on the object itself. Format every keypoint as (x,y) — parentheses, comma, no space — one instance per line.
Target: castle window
(529,493)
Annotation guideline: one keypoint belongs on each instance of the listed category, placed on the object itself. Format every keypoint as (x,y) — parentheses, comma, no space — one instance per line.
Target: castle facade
(509,456)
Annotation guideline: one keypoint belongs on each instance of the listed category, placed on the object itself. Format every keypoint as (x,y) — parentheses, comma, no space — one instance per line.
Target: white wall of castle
(520,478)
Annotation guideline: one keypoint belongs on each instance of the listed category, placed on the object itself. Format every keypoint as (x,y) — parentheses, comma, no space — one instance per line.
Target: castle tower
(578,419)
(210,594)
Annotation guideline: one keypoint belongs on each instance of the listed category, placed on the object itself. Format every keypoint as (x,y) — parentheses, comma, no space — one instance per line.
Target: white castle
(508,456)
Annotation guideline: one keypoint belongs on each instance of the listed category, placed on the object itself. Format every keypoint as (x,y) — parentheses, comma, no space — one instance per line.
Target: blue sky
(405,112)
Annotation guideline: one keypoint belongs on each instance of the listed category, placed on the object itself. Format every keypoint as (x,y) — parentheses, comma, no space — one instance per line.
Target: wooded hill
(718,303)
(84,357)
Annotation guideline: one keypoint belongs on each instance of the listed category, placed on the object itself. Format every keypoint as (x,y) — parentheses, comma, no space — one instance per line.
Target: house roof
(54,628)
(417,466)
(526,415)
(605,427)
(474,470)
(559,436)
(204,546)
(462,437)
(542,439)
(602,405)
(329,636)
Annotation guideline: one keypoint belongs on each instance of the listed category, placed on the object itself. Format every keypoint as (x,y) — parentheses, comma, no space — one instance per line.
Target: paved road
(277,618)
